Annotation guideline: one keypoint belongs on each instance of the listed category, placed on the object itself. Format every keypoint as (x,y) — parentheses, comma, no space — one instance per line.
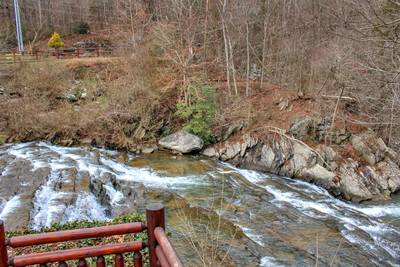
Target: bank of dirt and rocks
(92,102)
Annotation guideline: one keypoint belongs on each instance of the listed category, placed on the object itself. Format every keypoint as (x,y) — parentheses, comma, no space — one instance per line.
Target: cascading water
(285,222)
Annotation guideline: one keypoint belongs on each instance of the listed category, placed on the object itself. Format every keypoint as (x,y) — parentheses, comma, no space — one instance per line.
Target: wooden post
(3,247)
(14,58)
(36,54)
(98,51)
(100,262)
(77,52)
(57,53)
(82,263)
(155,218)
(137,259)
(119,260)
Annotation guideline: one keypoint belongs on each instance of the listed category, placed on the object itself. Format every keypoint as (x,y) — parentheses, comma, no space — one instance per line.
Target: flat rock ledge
(182,142)
(374,175)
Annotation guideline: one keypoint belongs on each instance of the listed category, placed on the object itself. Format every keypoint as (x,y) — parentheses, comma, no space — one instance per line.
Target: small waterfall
(9,206)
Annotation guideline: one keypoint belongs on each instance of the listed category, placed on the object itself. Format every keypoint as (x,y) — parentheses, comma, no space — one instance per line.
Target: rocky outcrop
(182,142)
(317,130)
(106,187)
(375,177)
(18,185)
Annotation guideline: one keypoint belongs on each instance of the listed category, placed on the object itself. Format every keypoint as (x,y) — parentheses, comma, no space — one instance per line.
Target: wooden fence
(14,56)
(161,252)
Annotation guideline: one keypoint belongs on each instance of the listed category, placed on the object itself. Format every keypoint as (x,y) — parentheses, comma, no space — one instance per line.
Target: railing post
(62,264)
(3,247)
(82,263)
(119,260)
(14,57)
(155,218)
(98,51)
(137,259)
(100,262)
(77,52)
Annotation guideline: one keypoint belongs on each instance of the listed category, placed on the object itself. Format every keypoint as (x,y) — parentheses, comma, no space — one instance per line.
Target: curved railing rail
(161,252)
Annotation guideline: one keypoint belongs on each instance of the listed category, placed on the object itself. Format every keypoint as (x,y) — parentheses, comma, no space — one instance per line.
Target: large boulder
(182,142)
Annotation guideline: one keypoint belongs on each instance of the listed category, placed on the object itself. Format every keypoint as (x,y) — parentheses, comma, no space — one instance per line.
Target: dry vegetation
(80,99)
(337,59)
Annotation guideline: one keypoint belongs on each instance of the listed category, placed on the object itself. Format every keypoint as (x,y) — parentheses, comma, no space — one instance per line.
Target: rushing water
(282,222)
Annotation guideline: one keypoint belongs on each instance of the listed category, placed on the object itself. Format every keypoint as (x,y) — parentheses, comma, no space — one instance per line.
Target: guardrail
(161,252)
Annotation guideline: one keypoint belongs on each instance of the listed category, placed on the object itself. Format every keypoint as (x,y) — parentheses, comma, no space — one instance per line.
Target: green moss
(3,138)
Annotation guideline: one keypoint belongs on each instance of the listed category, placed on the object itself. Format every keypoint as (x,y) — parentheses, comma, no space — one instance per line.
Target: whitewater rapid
(372,229)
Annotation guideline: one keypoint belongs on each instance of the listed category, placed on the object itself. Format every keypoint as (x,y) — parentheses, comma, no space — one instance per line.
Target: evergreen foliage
(82,27)
(55,41)
(199,114)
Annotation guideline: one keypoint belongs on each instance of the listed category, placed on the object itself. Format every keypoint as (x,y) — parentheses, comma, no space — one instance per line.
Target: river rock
(372,148)
(389,175)
(319,176)
(18,184)
(302,128)
(317,129)
(97,186)
(353,183)
(231,129)
(345,178)
(149,149)
(327,157)
(182,142)
(210,152)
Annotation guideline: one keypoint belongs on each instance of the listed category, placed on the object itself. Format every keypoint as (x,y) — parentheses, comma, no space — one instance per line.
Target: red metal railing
(161,252)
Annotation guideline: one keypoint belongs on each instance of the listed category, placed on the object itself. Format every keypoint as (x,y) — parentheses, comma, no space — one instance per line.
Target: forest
(344,53)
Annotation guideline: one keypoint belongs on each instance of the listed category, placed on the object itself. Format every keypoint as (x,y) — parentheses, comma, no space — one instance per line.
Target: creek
(215,211)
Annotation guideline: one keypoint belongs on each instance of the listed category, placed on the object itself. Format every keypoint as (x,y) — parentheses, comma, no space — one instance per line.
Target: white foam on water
(47,208)
(51,206)
(328,206)
(380,210)
(304,186)
(268,261)
(116,197)
(10,206)
(252,176)
(375,229)
(250,233)
(86,207)
(151,178)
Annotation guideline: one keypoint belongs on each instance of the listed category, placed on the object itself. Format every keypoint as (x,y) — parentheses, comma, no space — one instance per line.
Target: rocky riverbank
(355,167)
(236,217)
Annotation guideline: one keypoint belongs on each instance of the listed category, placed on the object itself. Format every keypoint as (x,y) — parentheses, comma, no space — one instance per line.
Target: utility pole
(18,26)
